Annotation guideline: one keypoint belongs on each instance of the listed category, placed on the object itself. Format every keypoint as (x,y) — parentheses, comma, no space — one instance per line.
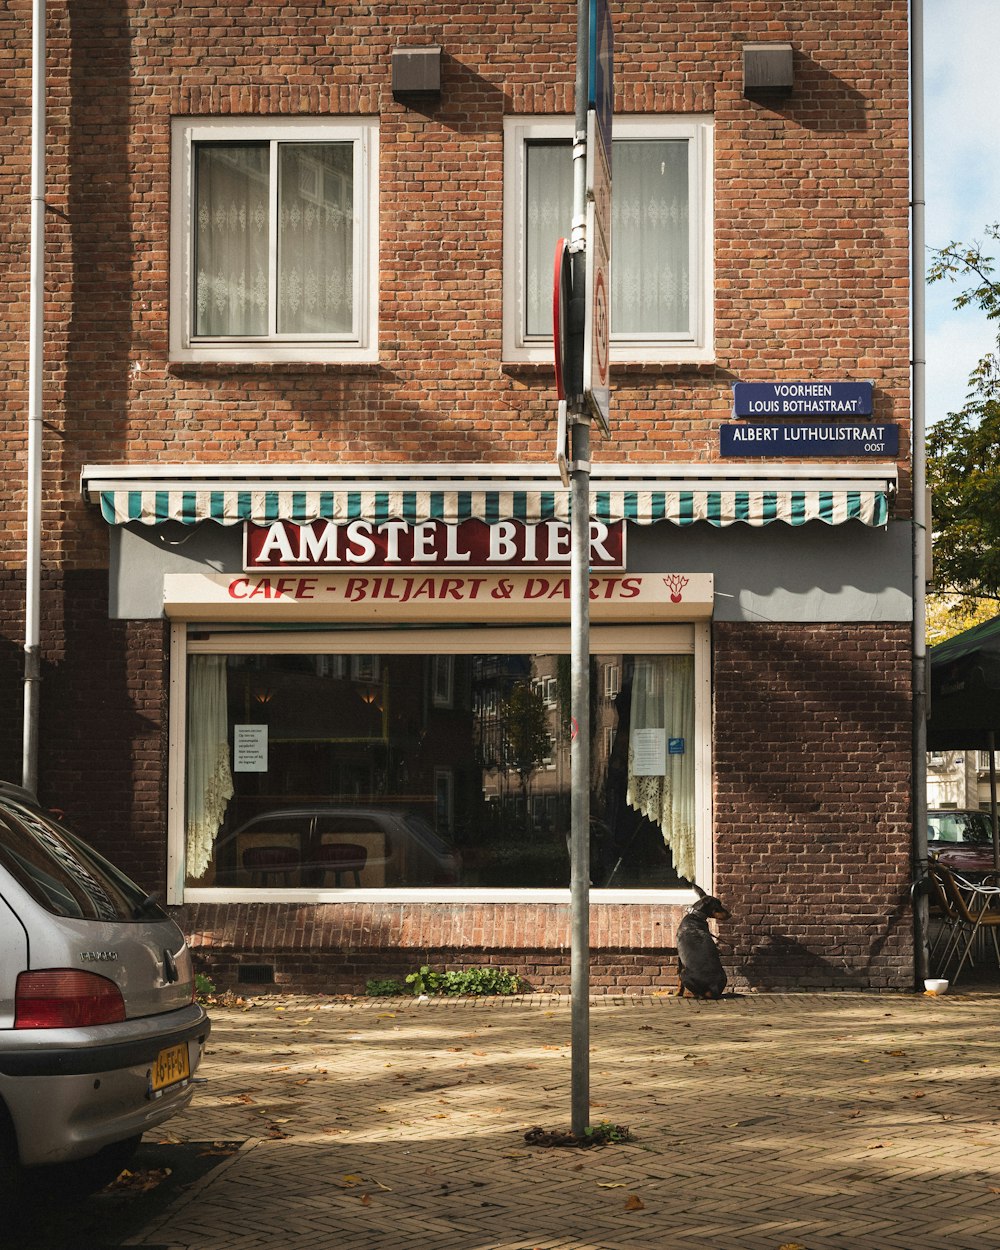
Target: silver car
(100,1034)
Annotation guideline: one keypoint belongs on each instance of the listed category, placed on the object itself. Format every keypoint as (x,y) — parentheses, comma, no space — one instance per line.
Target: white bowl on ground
(935,985)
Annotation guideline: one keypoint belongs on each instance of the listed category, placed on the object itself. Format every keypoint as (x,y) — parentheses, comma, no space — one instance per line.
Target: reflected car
(321,845)
(961,838)
(100,1033)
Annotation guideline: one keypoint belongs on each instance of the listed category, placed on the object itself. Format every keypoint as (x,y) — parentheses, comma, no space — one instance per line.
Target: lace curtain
(209,778)
(650,261)
(663,698)
(315,238)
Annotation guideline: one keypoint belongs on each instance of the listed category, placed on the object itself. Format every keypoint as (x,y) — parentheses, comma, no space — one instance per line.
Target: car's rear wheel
(10,1168)
(77,1178)
(96,1171)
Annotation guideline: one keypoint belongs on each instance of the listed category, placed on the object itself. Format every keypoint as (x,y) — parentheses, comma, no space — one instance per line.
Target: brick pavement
(853,1121)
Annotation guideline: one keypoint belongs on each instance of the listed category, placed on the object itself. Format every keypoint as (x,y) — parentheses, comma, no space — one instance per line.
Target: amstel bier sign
(393,544)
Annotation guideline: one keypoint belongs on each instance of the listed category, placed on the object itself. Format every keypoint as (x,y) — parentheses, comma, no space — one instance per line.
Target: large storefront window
(384,770)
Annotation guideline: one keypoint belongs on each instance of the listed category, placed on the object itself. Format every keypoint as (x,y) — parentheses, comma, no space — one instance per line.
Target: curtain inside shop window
(663,700)
(209,777)
(650,268)
(231,238)
(549,213)
(315,238)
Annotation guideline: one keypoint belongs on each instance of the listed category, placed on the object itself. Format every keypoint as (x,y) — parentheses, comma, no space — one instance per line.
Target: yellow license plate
(170,1067)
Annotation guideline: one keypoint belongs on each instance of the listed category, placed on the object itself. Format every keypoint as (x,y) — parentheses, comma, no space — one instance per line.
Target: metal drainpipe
(36,330)
(921,538)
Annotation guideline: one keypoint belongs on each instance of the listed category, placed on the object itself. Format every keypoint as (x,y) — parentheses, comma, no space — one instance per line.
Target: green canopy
(965,690)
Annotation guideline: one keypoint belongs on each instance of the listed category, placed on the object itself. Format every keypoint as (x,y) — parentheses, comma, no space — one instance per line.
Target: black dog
(699,968)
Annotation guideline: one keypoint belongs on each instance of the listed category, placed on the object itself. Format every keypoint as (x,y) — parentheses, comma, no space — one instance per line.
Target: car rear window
(973,827)
(63,874)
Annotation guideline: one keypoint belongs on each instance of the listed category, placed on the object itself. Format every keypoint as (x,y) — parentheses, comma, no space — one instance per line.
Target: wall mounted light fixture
(416,74)
(768,71)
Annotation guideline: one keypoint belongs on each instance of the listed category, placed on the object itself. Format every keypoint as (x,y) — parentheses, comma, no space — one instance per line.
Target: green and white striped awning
(124,498)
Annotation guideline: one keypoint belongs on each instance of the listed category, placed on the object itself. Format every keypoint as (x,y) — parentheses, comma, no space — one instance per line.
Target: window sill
(619,368)
(208,368)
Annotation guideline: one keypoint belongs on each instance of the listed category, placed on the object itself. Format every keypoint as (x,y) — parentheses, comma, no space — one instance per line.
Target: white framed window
(661,248)
(274,239)
(436,816)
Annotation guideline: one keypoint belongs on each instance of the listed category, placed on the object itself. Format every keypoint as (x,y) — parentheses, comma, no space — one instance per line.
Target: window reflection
(415,771)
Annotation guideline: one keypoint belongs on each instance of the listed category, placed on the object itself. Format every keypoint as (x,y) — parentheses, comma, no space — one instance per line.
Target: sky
(962,175)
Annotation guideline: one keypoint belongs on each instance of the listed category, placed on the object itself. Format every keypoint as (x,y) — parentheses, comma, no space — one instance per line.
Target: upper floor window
(661,244)
(274,239)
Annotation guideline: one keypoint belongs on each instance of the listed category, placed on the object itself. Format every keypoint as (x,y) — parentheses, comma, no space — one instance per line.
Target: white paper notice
(649,752)
(249,748)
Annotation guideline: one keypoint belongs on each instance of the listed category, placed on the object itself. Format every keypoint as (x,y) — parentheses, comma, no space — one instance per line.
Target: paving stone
(861,1122)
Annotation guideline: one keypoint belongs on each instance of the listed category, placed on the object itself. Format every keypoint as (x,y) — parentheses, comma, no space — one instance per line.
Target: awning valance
(680,498)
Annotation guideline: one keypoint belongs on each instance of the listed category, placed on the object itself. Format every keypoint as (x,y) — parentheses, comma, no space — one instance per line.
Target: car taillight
(66,998)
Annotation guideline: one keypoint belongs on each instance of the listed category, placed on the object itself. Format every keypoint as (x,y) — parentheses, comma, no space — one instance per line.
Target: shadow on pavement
(48,1215)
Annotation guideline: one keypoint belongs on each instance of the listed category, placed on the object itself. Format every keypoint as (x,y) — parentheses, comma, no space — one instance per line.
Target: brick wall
(103,718)
(812,775)
(811,203)
(811,279)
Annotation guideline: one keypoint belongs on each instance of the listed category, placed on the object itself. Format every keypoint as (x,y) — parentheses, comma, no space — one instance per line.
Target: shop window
(661,244)
(274,239)
(333,783)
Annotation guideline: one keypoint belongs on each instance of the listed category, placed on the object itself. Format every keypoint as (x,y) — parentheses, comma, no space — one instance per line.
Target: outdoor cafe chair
(970,913)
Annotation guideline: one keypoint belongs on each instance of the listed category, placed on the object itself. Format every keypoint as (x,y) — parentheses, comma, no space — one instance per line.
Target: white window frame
(694,347)
(361,345)
(646,639)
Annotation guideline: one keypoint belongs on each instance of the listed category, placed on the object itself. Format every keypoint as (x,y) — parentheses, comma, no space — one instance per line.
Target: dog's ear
(700,892)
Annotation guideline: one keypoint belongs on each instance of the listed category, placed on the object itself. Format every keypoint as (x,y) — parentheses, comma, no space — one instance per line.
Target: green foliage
(963,448)
(526,725)
(384,988)
(606,1132)
(470,982)
(204,987)
(948,615)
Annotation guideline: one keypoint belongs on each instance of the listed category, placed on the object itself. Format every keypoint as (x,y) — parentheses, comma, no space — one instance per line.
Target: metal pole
(32,578)
(920,518)
(991,742)
(579,434)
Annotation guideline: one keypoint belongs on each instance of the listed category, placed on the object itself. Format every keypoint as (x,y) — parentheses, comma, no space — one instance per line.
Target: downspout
(921,537)
(36,330)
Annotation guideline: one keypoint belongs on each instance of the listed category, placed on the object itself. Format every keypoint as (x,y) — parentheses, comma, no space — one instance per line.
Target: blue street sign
(802,399)
(816,439)
(601,70)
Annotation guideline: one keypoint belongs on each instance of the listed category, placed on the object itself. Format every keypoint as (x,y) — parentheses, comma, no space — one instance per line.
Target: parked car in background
(340,845)
(100,1034)
(961,838)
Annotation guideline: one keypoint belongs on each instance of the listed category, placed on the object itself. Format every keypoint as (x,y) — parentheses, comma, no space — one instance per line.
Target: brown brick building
(304,625)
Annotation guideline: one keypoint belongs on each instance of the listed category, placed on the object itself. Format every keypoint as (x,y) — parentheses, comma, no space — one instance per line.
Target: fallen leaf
(366,1200)
(634,1203)
(792,1245)
(352,1179)
(611,1185)
(139,1182)
(878,1145)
